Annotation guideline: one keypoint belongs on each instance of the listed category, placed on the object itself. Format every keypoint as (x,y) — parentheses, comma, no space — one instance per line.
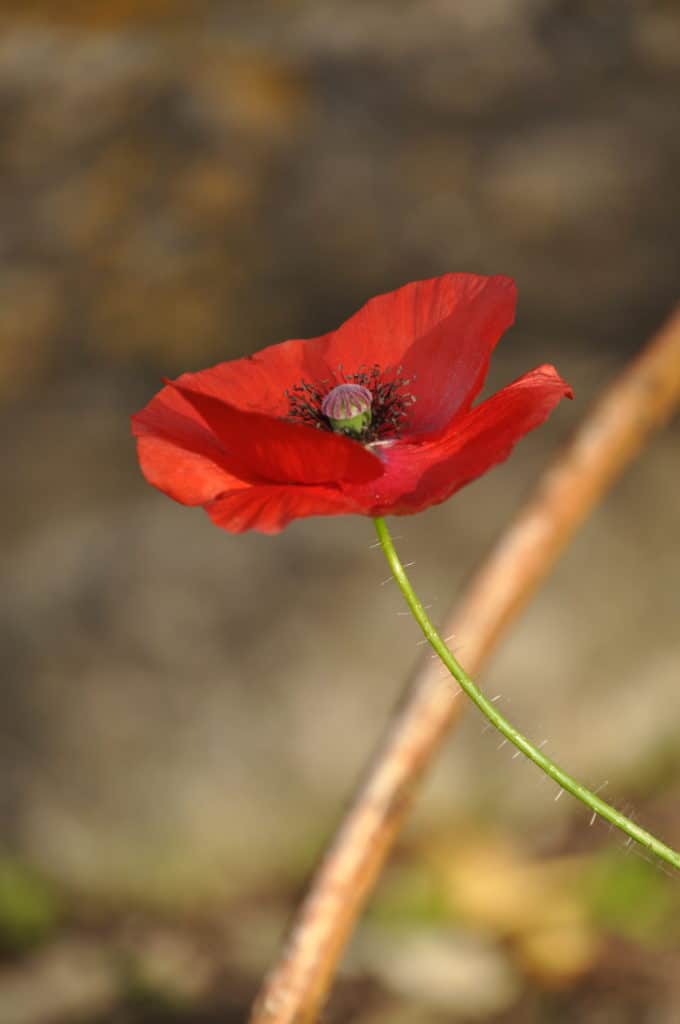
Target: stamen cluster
(389,407)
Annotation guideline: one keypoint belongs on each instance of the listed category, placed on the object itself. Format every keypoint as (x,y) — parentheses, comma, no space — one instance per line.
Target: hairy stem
(512,734)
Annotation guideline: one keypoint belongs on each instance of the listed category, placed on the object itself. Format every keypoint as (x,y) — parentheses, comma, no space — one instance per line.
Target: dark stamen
(390,406)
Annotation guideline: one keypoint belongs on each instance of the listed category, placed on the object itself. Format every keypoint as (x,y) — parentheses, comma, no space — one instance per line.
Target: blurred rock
(97,14)
(455,973)
(32,312)
(67,981)
(167,966)
(170,169)
(254,93)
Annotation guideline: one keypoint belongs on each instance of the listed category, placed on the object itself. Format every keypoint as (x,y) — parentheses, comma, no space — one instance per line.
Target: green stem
(490,711)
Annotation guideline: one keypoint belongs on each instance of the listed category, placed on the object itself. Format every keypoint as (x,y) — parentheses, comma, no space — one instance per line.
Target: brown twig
(640,400)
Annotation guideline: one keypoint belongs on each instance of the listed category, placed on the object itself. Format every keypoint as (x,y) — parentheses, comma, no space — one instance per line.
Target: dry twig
(639,401)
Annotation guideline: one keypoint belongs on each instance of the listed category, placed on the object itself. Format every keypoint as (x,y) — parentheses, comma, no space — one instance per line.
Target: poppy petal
(261,382)
(448,365)
(280,451)
(177,453)
(268,507)
(385,328)
(186,476)
(427,473)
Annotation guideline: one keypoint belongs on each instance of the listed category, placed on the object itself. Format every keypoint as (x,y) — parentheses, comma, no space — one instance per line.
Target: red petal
(384,329)
(279,451)
(423,474)
(177,453)
(258,383)
(268,508)
(449,363)
(441,332)
(183,475)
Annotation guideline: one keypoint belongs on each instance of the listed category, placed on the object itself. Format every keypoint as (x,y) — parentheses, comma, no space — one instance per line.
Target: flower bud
(347,408)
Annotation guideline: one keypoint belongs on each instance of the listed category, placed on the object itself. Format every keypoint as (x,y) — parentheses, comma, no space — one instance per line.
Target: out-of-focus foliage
(633,897)
(29,907)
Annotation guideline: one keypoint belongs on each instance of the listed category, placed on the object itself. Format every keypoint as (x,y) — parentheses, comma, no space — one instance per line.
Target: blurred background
(185,712)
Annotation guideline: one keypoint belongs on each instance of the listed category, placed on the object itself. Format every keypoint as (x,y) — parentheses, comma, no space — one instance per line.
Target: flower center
(347,407)
(369,405)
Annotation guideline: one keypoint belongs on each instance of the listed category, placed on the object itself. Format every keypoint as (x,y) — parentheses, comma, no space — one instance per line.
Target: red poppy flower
(374,418)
